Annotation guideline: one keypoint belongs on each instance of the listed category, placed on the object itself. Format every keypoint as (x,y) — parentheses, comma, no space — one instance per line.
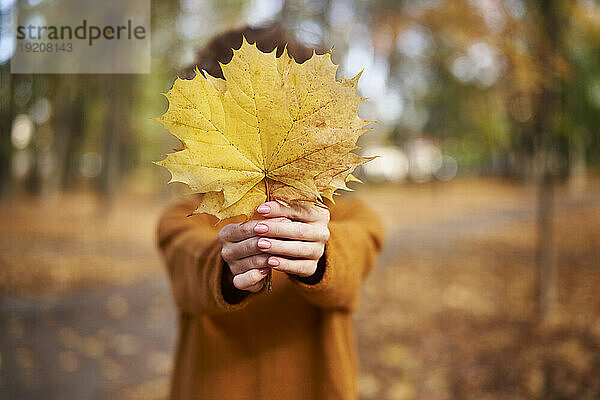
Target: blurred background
(488,184)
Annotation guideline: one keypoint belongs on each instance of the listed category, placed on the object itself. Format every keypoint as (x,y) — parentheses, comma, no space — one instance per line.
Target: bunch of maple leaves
(273,129)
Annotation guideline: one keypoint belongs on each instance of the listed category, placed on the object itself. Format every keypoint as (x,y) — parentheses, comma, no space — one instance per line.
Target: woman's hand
(289,239)
(293,238)
(239,249)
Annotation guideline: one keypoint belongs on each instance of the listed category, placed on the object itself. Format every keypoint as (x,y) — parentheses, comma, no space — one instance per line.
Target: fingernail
(273,262)
(263,209)
(264,244)
(263,271)
(261,228)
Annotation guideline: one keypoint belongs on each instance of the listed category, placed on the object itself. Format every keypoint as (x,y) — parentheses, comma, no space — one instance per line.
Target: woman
(236,341)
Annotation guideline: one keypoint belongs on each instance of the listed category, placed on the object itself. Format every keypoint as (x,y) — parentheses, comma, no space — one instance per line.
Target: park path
(116,341)
(444,233)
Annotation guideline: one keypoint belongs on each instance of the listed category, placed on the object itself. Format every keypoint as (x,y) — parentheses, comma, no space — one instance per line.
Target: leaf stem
(270,273)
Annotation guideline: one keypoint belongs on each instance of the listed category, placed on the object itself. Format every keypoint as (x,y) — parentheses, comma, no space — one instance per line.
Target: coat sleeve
(355,240)
(192,255)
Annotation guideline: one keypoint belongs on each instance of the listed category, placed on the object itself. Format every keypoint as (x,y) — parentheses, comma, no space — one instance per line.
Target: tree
(532,110)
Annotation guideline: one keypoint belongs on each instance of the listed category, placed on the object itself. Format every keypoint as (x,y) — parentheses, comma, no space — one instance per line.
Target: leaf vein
(217,129)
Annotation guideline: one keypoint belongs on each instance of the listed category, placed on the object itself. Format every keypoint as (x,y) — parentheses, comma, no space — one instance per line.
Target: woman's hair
(219,49)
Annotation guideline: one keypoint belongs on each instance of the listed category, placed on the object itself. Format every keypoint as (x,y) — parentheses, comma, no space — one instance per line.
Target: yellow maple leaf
(273,129)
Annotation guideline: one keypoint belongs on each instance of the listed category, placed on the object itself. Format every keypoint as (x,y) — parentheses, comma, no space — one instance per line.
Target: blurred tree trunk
(548,49)
(546,281)
(67,124)
(577,165)
(579,112)
(110,151)
(6,119)
(118,92)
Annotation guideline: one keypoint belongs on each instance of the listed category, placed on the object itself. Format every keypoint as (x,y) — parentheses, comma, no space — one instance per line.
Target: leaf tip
(198,72)
(352,178)
(356,77)
(284,52)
